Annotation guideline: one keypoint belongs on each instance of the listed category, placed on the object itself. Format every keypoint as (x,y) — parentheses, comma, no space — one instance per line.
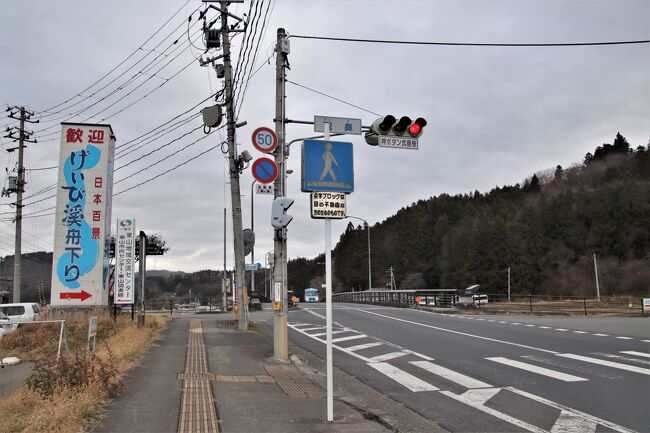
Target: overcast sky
(495,114)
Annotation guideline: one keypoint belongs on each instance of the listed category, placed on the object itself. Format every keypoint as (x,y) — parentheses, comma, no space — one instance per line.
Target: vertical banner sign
(125,261)
(80,260)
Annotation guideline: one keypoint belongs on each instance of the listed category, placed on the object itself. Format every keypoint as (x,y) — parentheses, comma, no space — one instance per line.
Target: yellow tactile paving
(198,412)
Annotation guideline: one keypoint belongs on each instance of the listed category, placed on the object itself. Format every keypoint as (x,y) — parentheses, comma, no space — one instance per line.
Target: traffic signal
(390,126)
(279,219)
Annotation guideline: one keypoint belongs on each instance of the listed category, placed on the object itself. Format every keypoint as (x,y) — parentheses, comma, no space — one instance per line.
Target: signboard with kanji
(80,270)
(125,261)
(328,205)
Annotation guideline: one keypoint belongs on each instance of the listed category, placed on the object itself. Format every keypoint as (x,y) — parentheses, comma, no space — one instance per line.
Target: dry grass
(70,409)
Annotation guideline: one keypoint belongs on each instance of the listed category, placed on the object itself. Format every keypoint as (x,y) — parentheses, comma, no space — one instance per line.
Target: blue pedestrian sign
(327,166)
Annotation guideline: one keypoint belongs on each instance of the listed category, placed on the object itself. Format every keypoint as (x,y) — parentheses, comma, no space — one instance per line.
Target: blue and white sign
(327,166)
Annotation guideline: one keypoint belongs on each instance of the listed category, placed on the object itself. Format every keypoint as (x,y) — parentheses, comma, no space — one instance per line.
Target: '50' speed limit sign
(265,140)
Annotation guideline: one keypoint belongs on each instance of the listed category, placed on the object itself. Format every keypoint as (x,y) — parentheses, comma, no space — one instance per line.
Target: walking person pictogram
(328,159)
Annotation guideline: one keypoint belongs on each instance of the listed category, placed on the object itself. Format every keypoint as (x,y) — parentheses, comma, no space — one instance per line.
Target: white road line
(601,335)
(624,338)
(495,413)
(387,356)
(454,376)
(605,363)
(539,370)
(569,422)
(351,337)
(644,362)
(302,324)
(490,320)
(561,329)
(417,354)
(403,378)
(632,352)
(315,313)
(609,425)
(316,328)
(646,341)
(544,327)
(320,334)
(364,346)
(501,321)
(480,396)
(457,332)
(580,332)
(529,325)
(515,323)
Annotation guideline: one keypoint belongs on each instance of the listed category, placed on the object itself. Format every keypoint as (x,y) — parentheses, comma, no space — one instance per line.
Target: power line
(333,97)
(471,44)
(171,169)
(141,47)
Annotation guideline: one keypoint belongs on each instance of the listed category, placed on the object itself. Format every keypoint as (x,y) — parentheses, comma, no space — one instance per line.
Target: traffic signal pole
(280,341)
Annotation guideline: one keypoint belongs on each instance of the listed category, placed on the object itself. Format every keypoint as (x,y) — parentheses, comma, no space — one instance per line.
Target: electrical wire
(470,44)
(333,97)
(141,47)
(170,170)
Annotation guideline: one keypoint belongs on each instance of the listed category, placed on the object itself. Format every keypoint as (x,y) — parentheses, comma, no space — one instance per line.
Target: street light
(369,266)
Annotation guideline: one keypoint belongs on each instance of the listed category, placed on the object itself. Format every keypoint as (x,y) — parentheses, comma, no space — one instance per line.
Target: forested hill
(545,230)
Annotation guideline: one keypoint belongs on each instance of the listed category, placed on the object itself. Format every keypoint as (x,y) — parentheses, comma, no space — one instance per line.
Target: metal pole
(328,307)
(19,208)
(253,229)
(369,263)
(596,273)
(224,289)
(234,171)
(280,342)
(508,283)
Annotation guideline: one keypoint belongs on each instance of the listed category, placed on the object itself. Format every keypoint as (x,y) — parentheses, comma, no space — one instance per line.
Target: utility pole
(143,270)
(508,283)
(233,164)
(280,342)
(19,188)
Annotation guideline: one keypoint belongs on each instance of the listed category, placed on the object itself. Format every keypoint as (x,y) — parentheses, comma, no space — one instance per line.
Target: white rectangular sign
(125,262)
(646,304)
(338,125)
(328,205)
(92,327)
(80,259)
(397,142)
(264,189)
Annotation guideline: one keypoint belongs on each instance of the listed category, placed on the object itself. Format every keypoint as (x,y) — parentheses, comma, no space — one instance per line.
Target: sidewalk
(207,376)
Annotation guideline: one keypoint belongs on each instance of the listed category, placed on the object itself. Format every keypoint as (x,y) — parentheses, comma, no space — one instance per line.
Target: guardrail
(568,305)
(400,298)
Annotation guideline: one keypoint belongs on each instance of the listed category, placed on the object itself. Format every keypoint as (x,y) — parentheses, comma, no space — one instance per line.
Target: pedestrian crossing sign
(327,166)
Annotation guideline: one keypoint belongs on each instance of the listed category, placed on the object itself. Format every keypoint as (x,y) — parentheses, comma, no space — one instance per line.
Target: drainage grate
(293,383)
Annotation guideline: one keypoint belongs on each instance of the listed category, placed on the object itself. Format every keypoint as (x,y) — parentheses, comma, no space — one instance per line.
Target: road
(493,373)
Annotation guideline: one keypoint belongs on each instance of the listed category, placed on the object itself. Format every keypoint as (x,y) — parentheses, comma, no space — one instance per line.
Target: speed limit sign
(265,140)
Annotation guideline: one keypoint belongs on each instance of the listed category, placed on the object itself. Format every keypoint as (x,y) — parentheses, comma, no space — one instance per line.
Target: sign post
(92,332)
(124,262)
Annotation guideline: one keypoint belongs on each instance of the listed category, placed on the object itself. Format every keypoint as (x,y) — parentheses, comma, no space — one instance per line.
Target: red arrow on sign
(82,296)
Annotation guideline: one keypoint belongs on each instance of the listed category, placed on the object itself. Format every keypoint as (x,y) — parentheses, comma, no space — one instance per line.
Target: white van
(18,313)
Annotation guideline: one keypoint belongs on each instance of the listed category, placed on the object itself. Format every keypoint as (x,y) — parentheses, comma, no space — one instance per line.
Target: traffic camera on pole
(391,127)
(279,219)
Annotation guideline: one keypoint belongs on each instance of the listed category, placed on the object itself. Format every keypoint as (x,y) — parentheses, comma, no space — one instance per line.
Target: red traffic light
(415,129)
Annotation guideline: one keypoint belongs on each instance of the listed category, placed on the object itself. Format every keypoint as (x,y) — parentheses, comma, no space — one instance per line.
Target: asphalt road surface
(493,373)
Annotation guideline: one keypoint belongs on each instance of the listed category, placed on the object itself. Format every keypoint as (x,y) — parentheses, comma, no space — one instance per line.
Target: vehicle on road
(254,302)
(19,313)
(311,295)
(479,300)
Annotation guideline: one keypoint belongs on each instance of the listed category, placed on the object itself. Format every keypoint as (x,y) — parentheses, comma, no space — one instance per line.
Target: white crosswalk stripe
(632,352)
(538,370)
(605,363)
(388,356)
(402,377)
(364,346)
(451,375)
(350,337)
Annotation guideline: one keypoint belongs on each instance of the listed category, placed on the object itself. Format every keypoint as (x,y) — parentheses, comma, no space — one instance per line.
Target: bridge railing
(400,298)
